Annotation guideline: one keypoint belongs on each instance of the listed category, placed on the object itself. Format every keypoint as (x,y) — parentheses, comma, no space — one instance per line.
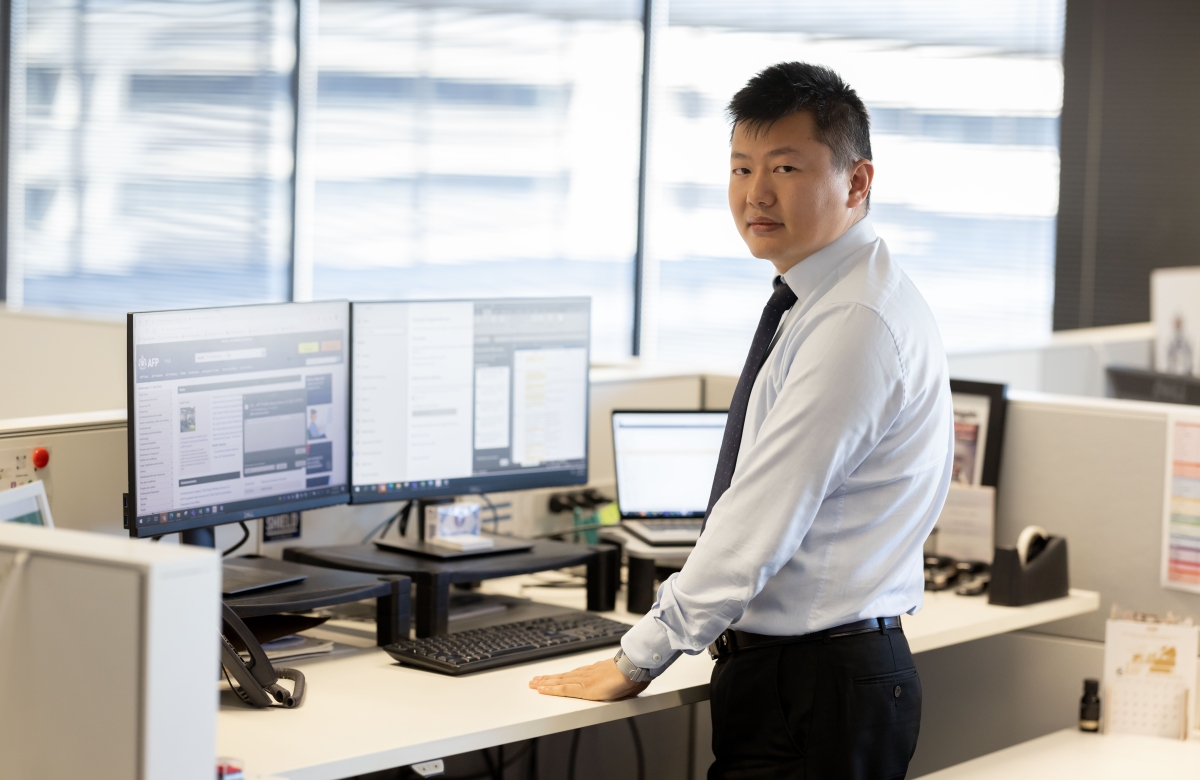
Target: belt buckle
(720,648)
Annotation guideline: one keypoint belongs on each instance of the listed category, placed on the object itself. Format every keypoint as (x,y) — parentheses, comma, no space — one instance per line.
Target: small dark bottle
(1089,706)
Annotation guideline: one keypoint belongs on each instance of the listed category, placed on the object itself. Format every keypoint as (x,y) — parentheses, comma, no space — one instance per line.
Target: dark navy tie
(781,300)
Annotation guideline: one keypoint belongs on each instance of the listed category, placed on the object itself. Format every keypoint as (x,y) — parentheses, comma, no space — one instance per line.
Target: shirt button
(656,657)
(695,644)
(896,692)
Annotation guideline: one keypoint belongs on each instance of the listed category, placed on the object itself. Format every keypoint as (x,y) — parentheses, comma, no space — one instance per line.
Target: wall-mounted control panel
(22,465)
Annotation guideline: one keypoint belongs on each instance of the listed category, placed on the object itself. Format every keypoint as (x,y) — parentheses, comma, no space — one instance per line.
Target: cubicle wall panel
(108,657)
(60,365)
(993,693)
(87,474)
(43,677)
(1092,471)
(718,391)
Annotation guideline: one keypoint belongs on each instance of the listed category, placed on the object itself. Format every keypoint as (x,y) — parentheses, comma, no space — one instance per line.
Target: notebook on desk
(665,461)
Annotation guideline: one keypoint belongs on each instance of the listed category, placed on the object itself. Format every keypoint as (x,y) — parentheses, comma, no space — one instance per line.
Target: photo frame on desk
(979,412)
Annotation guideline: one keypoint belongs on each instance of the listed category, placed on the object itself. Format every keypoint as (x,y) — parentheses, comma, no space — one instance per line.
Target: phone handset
(258,682)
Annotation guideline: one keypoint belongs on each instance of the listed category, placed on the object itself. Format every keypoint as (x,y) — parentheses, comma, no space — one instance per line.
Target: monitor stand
(294,587)
(236,578)
(420,546)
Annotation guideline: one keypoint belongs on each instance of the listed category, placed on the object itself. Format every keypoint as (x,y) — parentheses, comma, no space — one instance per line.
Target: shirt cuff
(646,645)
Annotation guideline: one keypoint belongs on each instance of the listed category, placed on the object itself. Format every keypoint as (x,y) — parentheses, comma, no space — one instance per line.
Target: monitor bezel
(485,484)
(225,518)
(617,481)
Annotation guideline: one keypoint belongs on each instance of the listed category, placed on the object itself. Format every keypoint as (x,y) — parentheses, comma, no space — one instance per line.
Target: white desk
(1073,753)
(365,713)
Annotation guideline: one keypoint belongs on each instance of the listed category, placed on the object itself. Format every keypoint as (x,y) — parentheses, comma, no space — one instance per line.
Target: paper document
(1181,506)
(1149,678)
(966,526)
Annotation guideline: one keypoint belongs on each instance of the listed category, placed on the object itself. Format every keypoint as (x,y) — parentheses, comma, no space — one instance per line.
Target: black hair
(841,119)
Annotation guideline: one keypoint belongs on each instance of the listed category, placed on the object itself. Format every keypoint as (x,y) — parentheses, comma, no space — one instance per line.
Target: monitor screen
(666,461)
(237,413)
(456,397)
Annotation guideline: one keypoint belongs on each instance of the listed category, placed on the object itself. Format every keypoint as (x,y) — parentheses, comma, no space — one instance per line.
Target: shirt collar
(806,275)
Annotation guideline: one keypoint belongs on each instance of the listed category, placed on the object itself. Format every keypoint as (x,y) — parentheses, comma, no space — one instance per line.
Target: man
(314,430)
(835,464)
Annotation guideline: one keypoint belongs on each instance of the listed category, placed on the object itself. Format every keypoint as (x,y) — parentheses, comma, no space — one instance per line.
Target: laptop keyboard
(688,525)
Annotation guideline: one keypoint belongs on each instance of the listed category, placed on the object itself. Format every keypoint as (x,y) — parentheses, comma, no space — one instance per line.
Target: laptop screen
(666,461)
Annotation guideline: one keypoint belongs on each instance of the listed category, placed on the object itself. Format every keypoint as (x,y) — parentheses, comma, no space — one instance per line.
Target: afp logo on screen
(145,362)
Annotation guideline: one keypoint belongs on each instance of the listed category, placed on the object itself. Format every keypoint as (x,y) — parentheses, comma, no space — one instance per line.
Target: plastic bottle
(1089,706)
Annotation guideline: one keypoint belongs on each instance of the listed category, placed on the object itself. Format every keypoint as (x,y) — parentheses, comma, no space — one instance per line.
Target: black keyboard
(509,643)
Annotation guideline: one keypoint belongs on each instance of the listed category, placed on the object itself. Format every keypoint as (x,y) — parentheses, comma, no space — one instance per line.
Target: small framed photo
(978,431)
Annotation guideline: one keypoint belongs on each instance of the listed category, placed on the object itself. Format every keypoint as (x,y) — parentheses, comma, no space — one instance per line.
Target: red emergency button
(41,458)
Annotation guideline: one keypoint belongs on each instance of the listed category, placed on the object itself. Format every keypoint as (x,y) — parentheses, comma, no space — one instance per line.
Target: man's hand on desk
(601,681)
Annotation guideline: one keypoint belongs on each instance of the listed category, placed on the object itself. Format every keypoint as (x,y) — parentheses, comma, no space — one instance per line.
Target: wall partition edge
(7,140)
(639,256)
(304,103)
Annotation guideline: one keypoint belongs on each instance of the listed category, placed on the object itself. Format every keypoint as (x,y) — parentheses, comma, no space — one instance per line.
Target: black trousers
(842,708)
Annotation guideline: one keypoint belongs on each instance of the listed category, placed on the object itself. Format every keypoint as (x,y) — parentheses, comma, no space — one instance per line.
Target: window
(150,154)
(964,101)
(469,151)
(491,148)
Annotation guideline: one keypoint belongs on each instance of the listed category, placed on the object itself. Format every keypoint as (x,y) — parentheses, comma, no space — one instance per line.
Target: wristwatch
(635,673)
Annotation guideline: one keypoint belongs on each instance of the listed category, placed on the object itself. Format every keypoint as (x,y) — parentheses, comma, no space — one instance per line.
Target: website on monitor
(235,409)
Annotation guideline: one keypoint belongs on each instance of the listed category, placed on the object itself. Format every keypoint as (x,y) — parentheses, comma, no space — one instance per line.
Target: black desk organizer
(325,587)
(433,577)
(1043,578)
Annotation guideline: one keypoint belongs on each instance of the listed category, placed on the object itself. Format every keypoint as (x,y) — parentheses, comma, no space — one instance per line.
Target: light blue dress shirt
(844,466)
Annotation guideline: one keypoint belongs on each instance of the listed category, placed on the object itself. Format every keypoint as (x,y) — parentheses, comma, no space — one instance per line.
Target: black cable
(495,516)
(487,758)
(500,762)
(573,754)
(533,755)
(245,537)
(403,527)
(386,525)
(402,516)
(637,748)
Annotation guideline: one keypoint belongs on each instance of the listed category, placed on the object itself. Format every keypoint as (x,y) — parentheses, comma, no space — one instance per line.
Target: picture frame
(979,412)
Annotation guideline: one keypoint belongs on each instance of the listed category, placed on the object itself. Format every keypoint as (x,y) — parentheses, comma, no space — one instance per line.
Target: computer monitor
(476,396)
(236,413)
(666,461)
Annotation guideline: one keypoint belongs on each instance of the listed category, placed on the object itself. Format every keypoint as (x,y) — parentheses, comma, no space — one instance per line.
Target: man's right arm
(841,394)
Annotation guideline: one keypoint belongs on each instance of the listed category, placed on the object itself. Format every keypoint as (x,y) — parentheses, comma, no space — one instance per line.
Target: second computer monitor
(456,397)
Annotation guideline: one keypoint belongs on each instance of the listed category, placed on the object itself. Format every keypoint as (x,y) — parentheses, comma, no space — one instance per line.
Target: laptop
(665,466)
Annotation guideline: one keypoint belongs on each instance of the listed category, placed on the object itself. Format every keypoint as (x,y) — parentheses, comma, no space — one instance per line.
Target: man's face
(787,196)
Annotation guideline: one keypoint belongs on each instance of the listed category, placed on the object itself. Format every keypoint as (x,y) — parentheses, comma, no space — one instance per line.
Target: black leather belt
(732,641)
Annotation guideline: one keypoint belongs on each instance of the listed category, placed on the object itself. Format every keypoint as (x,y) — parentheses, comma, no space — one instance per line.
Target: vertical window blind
(480,149)
(491,147)
(150,153)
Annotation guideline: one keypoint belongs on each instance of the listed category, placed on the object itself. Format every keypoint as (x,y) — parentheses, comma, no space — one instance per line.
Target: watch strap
(626,667)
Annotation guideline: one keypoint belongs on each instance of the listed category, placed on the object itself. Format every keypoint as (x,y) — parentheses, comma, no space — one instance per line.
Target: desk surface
(1073,753)
(365,713)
